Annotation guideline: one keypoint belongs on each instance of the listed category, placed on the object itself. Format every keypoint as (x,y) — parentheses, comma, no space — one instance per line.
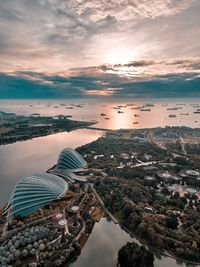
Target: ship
(172,108)
(145,109)
(149,105)
(172,116)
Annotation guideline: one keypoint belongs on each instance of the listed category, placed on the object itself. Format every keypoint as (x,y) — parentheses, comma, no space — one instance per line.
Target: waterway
(101,249)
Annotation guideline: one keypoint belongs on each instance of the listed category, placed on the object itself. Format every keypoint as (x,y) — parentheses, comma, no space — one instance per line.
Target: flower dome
(34,192)
(70,159)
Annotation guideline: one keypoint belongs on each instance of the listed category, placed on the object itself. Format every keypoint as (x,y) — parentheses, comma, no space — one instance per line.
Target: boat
(136,115)
(35,114)
(135,122)
(103,114)
(184,114)
(145,109)
(121,106)
(149,105)
(107,118)
(173,108)
(137,107)
(172,116)
(119,111)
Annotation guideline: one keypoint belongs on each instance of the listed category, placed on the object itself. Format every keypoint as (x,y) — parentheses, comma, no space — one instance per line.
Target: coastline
(16,128)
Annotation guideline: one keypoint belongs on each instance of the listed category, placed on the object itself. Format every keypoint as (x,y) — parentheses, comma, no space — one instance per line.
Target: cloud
(55,35)
(127,9)
(144,69)
(177,78)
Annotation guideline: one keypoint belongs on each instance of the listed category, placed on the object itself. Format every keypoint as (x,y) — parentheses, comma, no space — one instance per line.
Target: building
(34,192)
(70,159)
(190,174)
(191,191)
(68,175)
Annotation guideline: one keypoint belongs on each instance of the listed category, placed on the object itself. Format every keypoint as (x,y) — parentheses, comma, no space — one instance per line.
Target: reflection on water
(101,249)
(102,246)
(36,155)
(128,118)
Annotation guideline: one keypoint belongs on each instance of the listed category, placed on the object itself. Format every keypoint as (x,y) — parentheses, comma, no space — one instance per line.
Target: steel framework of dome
(34,192)
(70,159)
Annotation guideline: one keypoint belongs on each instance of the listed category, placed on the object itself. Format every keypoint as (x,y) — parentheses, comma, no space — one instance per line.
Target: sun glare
(119,56)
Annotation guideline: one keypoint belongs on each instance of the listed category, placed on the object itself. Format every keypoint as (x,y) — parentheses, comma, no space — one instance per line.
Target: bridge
(98,129)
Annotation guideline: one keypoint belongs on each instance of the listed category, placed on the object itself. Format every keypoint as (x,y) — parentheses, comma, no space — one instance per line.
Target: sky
(71,48)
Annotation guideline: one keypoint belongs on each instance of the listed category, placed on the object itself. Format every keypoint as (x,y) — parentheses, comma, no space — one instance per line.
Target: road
(102,204)
(182,142)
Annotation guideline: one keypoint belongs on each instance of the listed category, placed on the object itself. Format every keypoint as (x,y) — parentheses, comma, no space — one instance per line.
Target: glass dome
(34,192)
(70,159)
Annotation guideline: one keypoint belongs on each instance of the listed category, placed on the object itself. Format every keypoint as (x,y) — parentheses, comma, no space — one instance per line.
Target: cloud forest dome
(71,159)
(34,192)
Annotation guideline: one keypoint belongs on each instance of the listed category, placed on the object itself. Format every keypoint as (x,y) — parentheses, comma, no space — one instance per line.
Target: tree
(126,211)
(133,255)
(142,228)
(171,222)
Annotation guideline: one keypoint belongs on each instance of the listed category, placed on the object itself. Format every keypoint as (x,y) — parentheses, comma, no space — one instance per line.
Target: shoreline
(43,135)
(154,249)
(18,128)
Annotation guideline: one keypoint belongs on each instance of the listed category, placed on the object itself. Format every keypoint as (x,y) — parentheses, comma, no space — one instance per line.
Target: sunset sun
(119,56)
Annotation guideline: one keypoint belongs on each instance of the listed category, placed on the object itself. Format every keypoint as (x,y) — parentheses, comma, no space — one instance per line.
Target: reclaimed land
(15,128)
(152,186)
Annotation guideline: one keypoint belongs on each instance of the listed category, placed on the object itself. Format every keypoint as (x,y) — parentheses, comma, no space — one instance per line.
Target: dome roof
(70,159)
(34,192)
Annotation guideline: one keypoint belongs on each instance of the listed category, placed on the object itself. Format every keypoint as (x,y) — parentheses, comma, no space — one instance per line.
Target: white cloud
(127,9)
(53,35)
